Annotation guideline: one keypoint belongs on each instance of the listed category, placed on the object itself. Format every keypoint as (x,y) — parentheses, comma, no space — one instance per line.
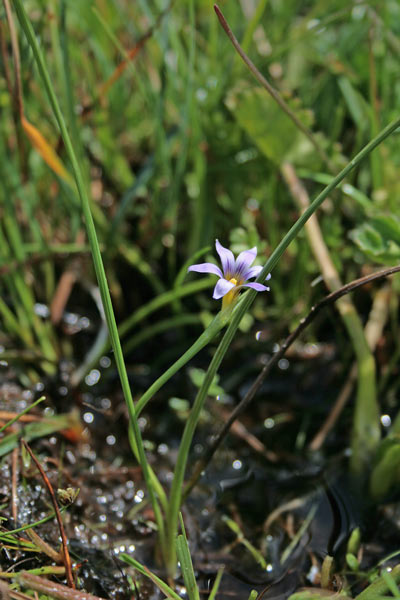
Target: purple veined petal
(223,287)
(244,260)
(268,277)
(252,272)
(227,259)
(259,287)
(206,268)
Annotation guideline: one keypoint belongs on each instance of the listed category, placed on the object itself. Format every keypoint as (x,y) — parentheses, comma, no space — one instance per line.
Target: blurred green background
(180,145)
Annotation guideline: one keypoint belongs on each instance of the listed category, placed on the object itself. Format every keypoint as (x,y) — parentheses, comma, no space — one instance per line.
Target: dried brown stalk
(54,590)
(203,462)
(67,558)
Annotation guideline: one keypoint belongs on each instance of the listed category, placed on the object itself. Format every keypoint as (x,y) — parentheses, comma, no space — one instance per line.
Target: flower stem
(177,483)
(97,259)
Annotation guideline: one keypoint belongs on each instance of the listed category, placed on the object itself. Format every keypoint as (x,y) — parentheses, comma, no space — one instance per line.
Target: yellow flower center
(231,296)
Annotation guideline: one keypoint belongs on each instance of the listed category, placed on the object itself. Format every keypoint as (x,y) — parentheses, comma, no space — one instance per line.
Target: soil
(264,478)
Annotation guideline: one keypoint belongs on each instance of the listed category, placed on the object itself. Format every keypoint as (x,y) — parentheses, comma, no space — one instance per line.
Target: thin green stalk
(379,586)
(376,160)
(272,91)
(185,560)
(170,323)
(205,338)
(19,415)
(215,587)
(159,490)
(12,324)
(164,299)
(185,135)
(366,425)
(177,483)
(164,587)
(97,259)
(146,311)
(190,261)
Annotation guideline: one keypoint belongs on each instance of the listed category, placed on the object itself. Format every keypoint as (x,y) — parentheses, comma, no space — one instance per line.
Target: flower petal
(259,287)
(206,268)
(244,260)
(223,287)
(252,272)
(227,259)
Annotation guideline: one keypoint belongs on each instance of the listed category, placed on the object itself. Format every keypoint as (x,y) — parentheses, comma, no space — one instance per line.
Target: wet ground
(292,507)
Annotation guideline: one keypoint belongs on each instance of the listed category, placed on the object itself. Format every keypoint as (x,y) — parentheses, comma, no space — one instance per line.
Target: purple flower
(234,274)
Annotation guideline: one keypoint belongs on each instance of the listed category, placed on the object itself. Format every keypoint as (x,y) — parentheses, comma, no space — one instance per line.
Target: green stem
(163,300)
(97,259)
(379,586)
(147,310)
(205,338)
(243,307)
(366,425)
(173,323)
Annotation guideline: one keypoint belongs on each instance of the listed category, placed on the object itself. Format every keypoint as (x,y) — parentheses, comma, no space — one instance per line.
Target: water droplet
(163,449)
(269,423)
(386,420)
(105,362)
(312,574)
(237,464)
(111,439)
(139,496)
(93,377)
(70,318)
(41,310)
(88,417)
(168,240)
(71,457)
(312,23)
(201,94)
(105,403)
(142,422)
(253,204)
(84,323)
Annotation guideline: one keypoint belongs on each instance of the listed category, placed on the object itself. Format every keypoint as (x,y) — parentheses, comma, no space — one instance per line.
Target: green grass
(181,148)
